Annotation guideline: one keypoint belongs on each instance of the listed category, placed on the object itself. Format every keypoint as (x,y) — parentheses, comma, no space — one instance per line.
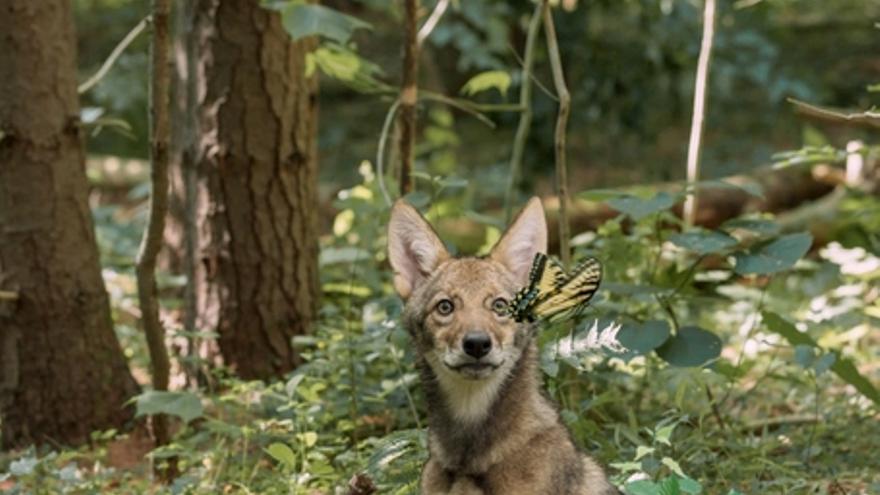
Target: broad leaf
(775,256)
(642,338)
(842,367)
(639,208)
(703,241)
(691,346)
(642,487)
(484,81)
(759,226)
(282,453)
(303,19)
(184,405)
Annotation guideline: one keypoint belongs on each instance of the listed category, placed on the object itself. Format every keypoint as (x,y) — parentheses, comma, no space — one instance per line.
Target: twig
(777,421)
(714,405)
(120,48)
(697,123)
(432,21)
(408,96)
(160,134)
(561,128)
(8,295)
(462,105)
(380,153)
(525,118)
(535,79)
(871,118)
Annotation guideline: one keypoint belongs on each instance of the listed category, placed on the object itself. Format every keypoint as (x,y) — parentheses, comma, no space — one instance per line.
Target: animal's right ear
(413,248)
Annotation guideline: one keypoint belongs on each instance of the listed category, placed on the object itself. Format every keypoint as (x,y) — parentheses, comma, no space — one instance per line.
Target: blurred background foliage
(629,65)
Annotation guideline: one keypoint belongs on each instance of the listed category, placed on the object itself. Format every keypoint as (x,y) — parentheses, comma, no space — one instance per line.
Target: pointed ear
(526,236)
(413,248)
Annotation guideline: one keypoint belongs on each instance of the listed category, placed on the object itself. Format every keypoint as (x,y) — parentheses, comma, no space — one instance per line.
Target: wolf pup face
(456,307)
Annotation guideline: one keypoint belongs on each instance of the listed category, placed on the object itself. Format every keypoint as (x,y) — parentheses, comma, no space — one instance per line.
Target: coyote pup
(491,431)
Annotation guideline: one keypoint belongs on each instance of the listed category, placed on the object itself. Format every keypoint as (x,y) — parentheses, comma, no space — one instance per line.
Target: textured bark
(62,372)
(257,282)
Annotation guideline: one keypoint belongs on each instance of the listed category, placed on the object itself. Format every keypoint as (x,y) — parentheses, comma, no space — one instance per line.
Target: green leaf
(673,466)
(303,19)
(691,486)
(185,405)
(282,453)
(691,346)
(775,256)
(703,241)
(639,208)
(842,367)
(670,486)
(824,363)
(642,338)
(642,451)
(804,355)
(484,81)
(759,226)
(642,487)
(663,434)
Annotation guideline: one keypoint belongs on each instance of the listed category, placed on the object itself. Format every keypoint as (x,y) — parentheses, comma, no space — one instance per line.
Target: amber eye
(499,305)
(445,307)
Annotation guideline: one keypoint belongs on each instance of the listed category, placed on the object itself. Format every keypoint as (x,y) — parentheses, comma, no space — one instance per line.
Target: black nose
(477,344)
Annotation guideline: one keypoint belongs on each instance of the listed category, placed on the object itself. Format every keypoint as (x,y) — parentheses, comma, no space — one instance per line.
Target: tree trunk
(257,283)
(62,372)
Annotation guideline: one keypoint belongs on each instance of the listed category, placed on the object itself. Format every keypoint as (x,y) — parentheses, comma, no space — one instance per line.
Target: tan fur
(491,431)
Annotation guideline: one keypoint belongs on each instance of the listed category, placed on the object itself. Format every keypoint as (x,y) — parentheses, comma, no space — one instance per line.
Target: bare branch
(697,123)
(408,96)
(870,118)
(525,118)
(114,55)
(561,129)
(432,21)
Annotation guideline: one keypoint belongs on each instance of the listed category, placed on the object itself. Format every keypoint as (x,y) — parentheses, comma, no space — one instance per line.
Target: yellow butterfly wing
(576,290)
(545,277)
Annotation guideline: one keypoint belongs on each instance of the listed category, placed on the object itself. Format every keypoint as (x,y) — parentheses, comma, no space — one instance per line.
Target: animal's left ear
(526,236)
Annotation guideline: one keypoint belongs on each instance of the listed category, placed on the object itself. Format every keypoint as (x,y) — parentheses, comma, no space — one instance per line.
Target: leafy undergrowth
(749,368)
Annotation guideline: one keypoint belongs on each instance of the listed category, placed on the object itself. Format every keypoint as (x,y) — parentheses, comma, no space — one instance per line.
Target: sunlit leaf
(282,453)
(484,81)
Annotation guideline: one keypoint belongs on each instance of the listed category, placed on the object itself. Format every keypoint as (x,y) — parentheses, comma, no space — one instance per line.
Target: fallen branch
(869,118)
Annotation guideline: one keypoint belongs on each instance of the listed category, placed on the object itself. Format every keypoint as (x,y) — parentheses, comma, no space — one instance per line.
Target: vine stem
(114,55)
(145,268)
(698,120)
(525,118)
(561,129)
